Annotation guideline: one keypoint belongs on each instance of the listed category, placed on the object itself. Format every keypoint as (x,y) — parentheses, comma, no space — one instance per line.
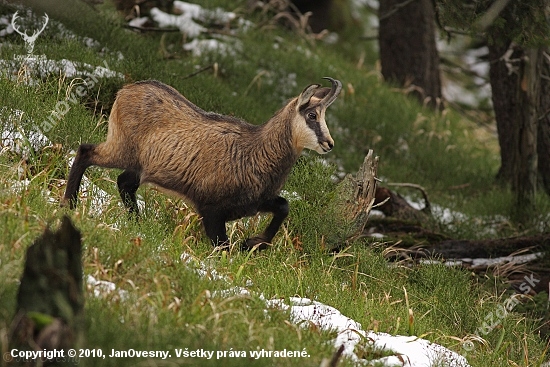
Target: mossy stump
(50,300)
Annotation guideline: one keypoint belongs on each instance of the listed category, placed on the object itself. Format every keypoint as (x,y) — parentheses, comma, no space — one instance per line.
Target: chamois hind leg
(82,161)
(279,208)
(86,156)
(128,182)
(214,226)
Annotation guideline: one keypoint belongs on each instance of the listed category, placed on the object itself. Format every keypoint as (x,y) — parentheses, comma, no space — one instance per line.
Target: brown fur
(225,167)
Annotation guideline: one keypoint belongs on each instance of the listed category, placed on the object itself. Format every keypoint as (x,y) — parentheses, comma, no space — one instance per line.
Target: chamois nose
(326,146)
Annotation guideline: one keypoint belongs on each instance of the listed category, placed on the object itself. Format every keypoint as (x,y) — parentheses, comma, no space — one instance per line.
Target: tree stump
(358,195)
(50,300)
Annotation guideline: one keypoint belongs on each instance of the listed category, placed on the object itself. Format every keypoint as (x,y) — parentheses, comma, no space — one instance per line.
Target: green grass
(168,305)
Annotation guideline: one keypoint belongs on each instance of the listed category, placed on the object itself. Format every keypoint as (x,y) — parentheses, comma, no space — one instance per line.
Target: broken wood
(357,195)
(518,255)
(394,205)
(408,239)
(490,248)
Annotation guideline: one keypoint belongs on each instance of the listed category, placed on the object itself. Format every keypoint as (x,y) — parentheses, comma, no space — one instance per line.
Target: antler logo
(29,40)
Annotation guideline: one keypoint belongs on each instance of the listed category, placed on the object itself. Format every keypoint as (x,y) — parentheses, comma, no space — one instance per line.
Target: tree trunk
(525,178)
(515,76)
(408,53)
(504,84)
(543,133)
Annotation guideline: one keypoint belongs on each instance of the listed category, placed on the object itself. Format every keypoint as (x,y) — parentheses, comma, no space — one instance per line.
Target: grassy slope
(169,306)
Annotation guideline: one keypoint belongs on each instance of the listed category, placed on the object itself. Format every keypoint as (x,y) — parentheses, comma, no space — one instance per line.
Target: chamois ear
(306,95)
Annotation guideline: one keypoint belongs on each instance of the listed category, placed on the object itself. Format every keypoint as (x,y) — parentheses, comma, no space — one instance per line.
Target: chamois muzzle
(327,146)
(334,92)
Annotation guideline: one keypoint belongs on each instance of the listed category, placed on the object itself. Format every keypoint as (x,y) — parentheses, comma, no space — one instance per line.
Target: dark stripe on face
(316,127)
(313,124)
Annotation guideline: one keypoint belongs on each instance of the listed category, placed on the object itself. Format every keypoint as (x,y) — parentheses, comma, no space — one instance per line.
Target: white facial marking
(306,136)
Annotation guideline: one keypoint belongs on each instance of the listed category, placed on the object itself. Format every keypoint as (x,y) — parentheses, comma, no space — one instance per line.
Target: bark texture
(543,132)
(408,52)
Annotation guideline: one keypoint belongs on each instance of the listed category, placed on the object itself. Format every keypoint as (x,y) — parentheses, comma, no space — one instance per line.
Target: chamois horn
(333,94)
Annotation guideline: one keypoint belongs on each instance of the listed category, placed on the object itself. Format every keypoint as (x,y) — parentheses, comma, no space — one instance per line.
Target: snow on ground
(409,351)
(450,218)
(189,20)
(489,262)
(185,21)
(41,67)
(15,138)
(222,45)
(101,288)
(191,15)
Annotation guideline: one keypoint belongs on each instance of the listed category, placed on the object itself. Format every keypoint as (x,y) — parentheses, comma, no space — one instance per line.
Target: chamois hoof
(259,242)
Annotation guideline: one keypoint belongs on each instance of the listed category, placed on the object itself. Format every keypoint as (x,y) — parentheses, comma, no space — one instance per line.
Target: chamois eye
(312,116)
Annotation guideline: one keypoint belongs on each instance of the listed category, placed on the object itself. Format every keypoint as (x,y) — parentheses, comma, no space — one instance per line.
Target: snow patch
(102,288)
(290,196)
(186,22)
(201,268)
(488,262)
(222,46)
(189,21)
(40,67)
(28,68)
(409,351)
(15,138)
(138,22)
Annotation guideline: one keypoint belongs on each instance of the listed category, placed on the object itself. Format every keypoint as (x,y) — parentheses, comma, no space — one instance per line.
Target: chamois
(223,166)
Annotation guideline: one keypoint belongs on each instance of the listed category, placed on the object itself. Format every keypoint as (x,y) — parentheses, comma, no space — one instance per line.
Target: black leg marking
(128,183)
(214,226)
(279,208)
(82,161)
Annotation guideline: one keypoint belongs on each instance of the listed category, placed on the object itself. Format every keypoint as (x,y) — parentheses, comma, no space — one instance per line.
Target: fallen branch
(394,205)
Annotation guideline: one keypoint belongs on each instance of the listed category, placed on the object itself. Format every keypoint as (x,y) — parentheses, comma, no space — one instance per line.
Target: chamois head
(310,127)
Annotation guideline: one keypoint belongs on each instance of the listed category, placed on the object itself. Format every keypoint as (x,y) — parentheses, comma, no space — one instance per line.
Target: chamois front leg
(279,208)
(214,226)
(128,182)
(82,161)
